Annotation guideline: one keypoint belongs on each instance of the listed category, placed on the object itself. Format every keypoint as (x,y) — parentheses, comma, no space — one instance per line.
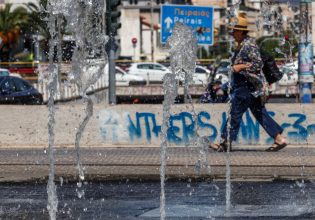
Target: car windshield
(224,65)
(200,70)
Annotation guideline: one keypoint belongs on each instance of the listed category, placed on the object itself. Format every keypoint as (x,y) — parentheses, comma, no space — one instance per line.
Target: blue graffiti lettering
(172,130)
(182,127)
(213,131)
(135,131)
(300,132)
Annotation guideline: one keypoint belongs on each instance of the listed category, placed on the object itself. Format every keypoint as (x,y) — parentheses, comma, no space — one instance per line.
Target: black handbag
(270,68)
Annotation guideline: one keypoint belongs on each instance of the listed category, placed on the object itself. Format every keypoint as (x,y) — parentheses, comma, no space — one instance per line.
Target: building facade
(138,15)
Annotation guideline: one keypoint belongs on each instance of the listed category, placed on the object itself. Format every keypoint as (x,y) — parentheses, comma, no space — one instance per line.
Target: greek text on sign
(197,17)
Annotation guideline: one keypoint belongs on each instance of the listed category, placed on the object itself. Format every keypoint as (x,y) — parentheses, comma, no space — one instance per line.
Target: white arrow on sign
(168,22)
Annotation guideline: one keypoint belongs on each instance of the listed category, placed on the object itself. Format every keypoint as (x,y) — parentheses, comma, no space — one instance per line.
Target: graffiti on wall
(183,126)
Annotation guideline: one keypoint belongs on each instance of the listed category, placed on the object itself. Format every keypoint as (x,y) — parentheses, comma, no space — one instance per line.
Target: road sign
(134,40)
(198,17)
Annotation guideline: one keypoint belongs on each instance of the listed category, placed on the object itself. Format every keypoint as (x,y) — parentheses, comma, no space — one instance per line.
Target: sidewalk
(141,163)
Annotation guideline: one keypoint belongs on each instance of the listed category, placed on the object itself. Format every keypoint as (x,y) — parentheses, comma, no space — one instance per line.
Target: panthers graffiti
(183,126)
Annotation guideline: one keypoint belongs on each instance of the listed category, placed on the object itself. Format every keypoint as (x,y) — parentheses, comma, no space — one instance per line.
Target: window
(144,66)
(7,85)
(200,70)
(158,67)
(21,85)
(224,64)
(4,73)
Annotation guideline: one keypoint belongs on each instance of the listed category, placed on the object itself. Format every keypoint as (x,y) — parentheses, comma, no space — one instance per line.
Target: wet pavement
(123,183)
(104,164)
(140,200)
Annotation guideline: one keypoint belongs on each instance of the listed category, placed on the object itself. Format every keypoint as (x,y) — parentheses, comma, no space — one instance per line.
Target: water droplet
(79,184)
(61,180)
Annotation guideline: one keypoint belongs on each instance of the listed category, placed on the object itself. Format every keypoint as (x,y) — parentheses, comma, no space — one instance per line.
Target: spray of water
(232,21)
(89,59)
(84,20)
(54,30)
(182,49)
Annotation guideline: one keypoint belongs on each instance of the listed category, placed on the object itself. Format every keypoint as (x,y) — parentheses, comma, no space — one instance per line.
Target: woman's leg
(272,128)
(239,106)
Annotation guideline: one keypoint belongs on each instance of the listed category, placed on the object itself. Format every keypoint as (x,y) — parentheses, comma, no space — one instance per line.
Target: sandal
(276,147)
(222,147)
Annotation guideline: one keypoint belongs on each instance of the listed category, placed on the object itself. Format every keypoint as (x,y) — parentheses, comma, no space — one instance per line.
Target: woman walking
(248,86)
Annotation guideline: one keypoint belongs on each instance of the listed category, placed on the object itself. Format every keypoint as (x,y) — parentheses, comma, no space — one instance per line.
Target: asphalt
(248,163)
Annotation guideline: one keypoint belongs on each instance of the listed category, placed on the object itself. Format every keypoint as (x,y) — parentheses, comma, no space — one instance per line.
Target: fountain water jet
(83,21)
(182,51)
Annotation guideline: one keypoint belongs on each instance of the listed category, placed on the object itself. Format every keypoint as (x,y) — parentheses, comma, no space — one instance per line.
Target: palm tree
(11,23)
(38,16)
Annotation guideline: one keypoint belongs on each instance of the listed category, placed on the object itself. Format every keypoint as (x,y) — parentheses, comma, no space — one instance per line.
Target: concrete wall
(140,125)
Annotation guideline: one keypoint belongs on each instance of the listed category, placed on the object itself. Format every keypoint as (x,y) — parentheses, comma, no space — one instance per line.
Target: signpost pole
(152,33)
(305,58)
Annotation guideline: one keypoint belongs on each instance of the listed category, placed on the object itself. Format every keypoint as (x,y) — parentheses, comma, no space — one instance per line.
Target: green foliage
(269,45)
(219,49)
(12,19)
(38,18)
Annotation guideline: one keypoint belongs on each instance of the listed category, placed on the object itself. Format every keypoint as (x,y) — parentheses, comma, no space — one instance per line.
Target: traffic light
(112,16)
(159,2)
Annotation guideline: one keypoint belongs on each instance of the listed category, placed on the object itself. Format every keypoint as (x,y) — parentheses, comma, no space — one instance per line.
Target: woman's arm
(239,67)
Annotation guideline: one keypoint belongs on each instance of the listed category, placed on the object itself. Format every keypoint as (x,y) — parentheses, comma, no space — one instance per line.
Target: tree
(12,21)
(38,18)
(288,47)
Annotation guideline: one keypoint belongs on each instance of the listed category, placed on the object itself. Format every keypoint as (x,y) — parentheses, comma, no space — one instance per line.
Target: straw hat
(241,23)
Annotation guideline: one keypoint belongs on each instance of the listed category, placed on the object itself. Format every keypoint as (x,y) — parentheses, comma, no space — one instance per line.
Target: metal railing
(69,91)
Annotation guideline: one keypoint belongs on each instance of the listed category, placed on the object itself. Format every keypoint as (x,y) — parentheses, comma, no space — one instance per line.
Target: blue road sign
(198,17)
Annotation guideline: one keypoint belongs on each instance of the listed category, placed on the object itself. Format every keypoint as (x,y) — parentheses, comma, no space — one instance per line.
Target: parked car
(152,72)
(4,72)
(125,79)
(14,90)
(290,76)
(222,72)
(201,76)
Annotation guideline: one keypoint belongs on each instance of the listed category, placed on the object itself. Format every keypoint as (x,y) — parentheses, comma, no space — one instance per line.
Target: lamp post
(306,76)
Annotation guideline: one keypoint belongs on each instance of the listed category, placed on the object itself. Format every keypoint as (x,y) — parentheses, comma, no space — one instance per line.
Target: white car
(122,77)
(223,78)
(222,72)
(152,72)
(290,76)
(125,79)
(201,76)
(4,72)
